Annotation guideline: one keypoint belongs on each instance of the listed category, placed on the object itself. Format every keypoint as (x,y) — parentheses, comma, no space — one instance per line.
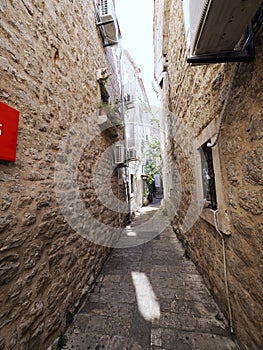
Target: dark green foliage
(69,317)
(62,341)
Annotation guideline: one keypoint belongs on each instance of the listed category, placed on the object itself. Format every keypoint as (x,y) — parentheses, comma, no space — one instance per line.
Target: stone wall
(196,98)
(49,55)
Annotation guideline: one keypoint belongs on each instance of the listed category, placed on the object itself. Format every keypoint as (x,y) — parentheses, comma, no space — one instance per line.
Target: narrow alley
(146,110)
(149,297)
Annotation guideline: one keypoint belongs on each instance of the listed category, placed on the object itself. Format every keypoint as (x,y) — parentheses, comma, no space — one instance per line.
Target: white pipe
(127,175)
(225,272)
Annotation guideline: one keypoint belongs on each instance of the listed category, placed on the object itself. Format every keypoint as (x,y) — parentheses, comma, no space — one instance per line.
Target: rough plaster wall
(49,54)
(196,96)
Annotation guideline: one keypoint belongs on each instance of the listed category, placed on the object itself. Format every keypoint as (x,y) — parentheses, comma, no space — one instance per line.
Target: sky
(136,25)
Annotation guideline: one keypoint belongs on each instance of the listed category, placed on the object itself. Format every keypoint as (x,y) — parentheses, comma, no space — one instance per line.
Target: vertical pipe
(124,136)
(225,272)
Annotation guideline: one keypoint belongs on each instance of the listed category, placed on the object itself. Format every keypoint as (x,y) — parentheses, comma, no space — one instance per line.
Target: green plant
(69,317)
(165,212)
(155,89)
(104,93)
(187,255)
(218,317)
(153,154)
(62,341)
(114,116)
(146,191)
(112,112)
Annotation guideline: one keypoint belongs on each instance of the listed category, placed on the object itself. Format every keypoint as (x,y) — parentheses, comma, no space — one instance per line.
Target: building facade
(140,130)
(50,56)
(213,122)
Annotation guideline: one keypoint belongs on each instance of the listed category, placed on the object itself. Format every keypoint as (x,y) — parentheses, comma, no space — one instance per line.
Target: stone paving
(149,297)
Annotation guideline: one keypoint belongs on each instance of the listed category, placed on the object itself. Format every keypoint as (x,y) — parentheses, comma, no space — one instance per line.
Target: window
(132,183)
(208,177)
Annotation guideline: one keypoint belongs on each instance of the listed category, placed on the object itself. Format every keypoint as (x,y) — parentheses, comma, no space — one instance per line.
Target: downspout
(225,272)
(125,137)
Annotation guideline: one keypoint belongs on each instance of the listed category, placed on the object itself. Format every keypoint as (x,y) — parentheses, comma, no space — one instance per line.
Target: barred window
(208,177)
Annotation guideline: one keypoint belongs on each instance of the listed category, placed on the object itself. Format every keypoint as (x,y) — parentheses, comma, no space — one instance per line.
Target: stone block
(6,202)
(243,225)
(9,265)
(7,221)
(29,219)
(256,126)
(232,173)
(32,255)
(251,200)
(252,166)
(15,291)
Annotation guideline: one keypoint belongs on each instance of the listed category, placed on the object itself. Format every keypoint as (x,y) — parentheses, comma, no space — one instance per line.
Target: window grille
(208,177)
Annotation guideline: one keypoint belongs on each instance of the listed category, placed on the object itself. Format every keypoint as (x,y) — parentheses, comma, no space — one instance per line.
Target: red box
(8,132)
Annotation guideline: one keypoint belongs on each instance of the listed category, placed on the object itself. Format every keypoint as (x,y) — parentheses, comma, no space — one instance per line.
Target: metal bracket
(99,24)
(232,56)
(110,44)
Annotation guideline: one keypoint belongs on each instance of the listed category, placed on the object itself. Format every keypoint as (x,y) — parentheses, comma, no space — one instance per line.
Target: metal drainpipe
(127,175)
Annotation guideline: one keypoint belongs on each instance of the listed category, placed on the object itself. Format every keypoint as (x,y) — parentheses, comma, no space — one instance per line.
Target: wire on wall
(222,114)
(225,272)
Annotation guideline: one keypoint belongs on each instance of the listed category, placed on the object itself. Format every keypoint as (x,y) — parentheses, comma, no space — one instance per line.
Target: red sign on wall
(8,132)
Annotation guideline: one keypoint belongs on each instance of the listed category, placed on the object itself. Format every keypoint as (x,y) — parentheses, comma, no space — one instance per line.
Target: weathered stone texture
(196,97)
(49,55)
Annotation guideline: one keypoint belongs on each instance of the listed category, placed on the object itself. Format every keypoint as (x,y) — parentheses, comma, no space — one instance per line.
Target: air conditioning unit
(132,153)
(217,26)
(107,13)
(129,101)
(119,157)
(102,73)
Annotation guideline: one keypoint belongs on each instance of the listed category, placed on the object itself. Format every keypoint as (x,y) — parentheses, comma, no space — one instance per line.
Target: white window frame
(207,214)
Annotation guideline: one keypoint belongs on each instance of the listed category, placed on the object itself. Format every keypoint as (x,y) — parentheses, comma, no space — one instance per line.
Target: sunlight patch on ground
(148,209)
(146,298)
(130,233)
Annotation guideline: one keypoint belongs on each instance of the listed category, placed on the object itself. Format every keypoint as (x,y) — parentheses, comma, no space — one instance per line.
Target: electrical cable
(118,196)
(225,272)
(222,114)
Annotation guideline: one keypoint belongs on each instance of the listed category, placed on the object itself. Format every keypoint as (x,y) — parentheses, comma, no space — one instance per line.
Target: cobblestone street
(149,297)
